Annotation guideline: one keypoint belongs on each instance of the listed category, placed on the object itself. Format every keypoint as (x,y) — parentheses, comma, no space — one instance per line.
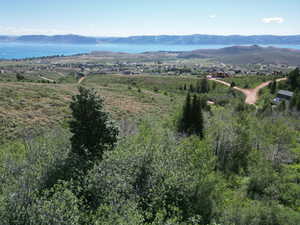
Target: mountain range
(238,55)
(196,39)
(248,55)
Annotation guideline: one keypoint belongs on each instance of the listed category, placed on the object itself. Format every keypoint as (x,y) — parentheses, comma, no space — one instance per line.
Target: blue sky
(149,17)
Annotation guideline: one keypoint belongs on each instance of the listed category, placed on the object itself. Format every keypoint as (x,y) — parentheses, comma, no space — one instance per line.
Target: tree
(185,121)
(191,120)
(20,77)
(191,88)
(204,86)
(197,117)
(93,132)
(214,85)
(294,79)
(273,87)
(232,84)
(295,101)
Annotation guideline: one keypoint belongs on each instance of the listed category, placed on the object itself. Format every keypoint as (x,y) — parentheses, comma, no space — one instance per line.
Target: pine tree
(191,88)
(297,96)
(273,87)
(194,114)
(214,85)
(295,101)
(185,119)
(204,86)
(184,87)
(294,79)
(198,87)
(198,118)
(93,133)
(20,77)
(191,121)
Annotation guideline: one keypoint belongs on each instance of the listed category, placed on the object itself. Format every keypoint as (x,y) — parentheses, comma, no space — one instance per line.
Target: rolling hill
(248,55)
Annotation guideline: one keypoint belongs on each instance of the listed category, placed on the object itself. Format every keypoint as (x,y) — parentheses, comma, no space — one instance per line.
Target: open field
(27,105)
(41,105)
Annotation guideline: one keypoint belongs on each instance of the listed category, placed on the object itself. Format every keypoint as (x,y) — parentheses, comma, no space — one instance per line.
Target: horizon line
(146,35)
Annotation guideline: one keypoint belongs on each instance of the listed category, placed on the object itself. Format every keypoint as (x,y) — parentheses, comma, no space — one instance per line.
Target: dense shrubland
(243,168)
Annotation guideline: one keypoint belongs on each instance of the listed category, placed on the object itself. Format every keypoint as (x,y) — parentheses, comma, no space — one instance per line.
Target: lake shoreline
(19,51)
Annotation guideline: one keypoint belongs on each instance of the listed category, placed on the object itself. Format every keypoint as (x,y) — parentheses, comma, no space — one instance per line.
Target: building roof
(285,93)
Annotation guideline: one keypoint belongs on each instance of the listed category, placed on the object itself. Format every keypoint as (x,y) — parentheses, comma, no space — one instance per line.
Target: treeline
(202,86)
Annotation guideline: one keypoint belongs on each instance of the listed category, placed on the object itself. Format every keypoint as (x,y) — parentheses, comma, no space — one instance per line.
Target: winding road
(47,79)
(81,79)
(251,94)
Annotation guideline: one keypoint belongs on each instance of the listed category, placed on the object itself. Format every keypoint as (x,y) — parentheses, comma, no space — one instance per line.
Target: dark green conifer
(93,133)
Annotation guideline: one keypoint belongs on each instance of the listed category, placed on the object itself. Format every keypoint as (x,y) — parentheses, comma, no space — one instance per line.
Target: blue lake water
(20,50)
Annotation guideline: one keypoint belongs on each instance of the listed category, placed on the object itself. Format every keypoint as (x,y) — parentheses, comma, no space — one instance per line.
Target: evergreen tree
(184,121)
(93,133)
(214,85)
(20,77)
(197,117)
(294,79)
(194,114)
(191,121)
(273,87)
(198,87)
(295,101)
(297,97)
(204,86)
(191,88)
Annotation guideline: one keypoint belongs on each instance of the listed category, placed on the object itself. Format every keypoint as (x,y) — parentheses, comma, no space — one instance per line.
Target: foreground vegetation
(168,158)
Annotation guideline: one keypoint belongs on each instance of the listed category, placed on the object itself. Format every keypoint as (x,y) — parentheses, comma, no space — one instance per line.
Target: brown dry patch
(117,103)
(128,105)
(46,105)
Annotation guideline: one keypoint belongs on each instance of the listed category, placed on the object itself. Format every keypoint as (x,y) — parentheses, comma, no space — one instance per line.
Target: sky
(149,17)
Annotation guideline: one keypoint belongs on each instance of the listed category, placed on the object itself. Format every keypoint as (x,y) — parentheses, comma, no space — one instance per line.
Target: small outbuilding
(283,94)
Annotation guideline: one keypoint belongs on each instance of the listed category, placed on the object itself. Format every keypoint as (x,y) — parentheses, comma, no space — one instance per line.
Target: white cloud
(273,20)
(212,16)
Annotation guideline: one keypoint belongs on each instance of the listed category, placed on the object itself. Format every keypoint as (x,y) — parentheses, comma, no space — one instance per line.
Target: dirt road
(251,94)
(81,79)
(47,79)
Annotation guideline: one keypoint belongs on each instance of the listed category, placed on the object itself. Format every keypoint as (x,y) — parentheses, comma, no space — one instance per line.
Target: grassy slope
(35,105)
(25,105)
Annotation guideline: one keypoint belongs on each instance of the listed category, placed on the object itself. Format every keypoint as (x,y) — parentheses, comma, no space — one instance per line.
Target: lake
(20,50)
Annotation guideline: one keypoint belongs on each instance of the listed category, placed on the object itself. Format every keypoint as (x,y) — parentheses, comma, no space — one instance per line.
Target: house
(283,94)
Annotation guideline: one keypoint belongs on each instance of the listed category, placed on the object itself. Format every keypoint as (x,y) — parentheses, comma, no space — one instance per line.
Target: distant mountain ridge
(196,39)
(238,55)
(55,39)
(248,55)
(205,39)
